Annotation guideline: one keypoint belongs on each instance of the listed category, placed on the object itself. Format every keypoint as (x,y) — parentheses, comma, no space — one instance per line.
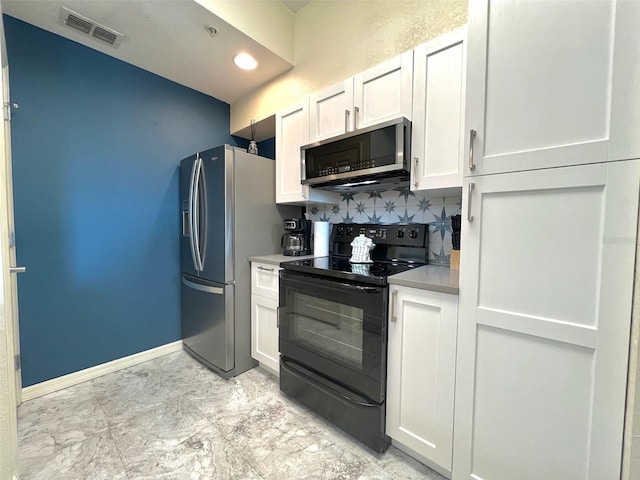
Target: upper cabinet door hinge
(16,360)
(12,239)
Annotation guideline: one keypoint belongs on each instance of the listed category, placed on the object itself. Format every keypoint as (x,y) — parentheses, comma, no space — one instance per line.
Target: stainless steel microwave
(371,158)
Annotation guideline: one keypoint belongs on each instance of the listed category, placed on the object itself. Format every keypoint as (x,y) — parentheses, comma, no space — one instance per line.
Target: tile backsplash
(397,206)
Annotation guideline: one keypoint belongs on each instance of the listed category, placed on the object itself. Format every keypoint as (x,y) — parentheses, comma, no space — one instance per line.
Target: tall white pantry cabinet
(550,200)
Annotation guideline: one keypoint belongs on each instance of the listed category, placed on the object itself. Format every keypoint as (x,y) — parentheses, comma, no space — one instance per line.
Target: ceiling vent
(89,27)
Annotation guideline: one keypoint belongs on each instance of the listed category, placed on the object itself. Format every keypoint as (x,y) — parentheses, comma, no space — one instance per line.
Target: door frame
(9,389)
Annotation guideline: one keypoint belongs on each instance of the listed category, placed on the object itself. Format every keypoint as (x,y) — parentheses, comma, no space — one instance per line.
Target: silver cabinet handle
(469,216)
(347,113)
(265,269)
(394,296)
(17,269)
(356,110)
(472,137)
(415,169)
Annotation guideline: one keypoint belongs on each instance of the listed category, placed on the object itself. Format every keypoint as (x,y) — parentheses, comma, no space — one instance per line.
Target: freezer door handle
(203,288)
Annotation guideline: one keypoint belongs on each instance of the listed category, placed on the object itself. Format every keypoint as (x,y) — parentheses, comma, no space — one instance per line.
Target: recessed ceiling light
(245,61)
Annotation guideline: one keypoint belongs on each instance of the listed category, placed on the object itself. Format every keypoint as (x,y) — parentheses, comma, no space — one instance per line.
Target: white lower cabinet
(264,315)
(421,374)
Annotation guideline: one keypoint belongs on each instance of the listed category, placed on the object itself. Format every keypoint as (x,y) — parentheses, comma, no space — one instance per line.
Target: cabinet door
(438,112)
(384,91)
(264,331)
(331,111)
(421,372)
(541,79)
(292,131)
(545,308)
(264,280)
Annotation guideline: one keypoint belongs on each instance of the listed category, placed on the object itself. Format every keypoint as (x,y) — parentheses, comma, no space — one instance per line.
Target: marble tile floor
(171,418)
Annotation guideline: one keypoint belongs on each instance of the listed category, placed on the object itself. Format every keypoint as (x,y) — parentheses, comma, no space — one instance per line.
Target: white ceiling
(168,38)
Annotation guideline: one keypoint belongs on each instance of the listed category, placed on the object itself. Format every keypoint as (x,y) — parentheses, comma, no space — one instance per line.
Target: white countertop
(430,277)
(276,258)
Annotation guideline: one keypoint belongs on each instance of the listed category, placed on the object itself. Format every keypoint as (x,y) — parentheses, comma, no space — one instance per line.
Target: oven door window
(337,329)
(328,326)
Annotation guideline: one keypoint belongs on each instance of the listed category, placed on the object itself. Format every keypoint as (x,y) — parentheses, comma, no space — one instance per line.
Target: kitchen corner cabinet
(545,312)
(438,112)
(570,97)
(374,96)
(421,373)
(292,132)
(264,315)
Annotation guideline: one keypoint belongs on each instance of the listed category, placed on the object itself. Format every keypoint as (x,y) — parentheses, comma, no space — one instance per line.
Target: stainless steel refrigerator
(228,214)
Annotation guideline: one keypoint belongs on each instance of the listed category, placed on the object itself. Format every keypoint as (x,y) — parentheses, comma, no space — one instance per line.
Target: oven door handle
(294,277)
(359,288)
(325,388)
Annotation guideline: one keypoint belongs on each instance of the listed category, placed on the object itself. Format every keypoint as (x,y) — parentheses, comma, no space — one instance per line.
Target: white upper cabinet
(438,112)
(551,84)
(383,92)
(376,95)
(331,111)
(292,132)
(625,102)
(545,314)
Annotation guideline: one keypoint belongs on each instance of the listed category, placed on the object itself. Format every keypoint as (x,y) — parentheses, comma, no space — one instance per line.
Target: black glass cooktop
(398,248)
(340,267)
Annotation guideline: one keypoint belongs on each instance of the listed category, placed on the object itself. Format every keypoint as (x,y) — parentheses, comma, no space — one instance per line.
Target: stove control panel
(406,234)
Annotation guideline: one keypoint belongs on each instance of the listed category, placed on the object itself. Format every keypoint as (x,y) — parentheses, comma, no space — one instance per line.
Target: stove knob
(349,231)
(340,231)
(400,233)
(413,233)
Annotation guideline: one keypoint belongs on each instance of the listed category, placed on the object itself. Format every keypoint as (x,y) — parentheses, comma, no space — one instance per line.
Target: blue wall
(96,143)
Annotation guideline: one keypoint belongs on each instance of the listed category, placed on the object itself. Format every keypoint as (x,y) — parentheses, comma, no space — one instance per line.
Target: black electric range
(333,317)
(399,247)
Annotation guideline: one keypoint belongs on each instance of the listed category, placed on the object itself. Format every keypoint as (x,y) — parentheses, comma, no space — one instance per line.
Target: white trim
(80,376)
(421,458)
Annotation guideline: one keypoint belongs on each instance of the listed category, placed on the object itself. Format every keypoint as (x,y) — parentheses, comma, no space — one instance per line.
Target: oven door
(336,329)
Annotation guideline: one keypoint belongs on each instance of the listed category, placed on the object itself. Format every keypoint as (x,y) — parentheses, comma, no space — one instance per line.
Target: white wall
(336,39)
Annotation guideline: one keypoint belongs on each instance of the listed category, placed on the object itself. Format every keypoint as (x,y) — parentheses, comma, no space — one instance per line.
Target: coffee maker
(297,239)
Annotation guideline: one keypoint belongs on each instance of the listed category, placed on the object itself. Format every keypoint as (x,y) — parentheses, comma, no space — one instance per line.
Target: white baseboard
(421,458)
(80,376)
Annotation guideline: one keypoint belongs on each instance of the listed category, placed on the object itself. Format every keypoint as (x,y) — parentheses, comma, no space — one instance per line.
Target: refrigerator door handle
(197,213)
(203,215)
(203,288)
(191,212)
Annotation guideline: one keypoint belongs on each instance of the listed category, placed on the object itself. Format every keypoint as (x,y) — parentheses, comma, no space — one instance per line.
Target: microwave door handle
(191,212)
